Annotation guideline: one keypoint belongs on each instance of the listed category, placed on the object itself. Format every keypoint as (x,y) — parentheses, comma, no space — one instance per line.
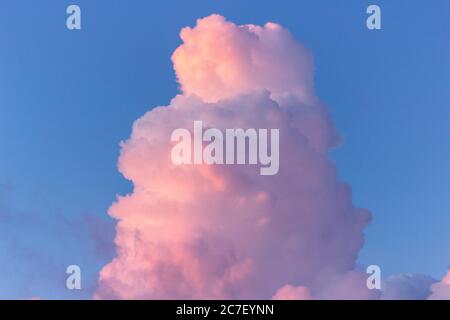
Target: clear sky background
(67,98)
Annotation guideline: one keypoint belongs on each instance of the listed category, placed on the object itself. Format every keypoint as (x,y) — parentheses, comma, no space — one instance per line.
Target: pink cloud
(441,290)
(289,292)
(222,232)
(219,59)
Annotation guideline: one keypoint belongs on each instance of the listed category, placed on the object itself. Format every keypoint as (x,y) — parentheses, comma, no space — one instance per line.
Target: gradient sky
(67,98)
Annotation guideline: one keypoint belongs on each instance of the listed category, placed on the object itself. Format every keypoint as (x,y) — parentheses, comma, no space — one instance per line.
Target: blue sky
(67,98)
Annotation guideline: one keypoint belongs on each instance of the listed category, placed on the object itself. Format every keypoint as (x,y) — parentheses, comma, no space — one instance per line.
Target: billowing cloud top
(219,59)
(218,231)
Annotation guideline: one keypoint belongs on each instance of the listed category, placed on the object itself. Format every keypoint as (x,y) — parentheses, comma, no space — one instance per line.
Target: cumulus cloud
(441,290)
(219,60)
(407,287)
(289,292)
(225,231)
